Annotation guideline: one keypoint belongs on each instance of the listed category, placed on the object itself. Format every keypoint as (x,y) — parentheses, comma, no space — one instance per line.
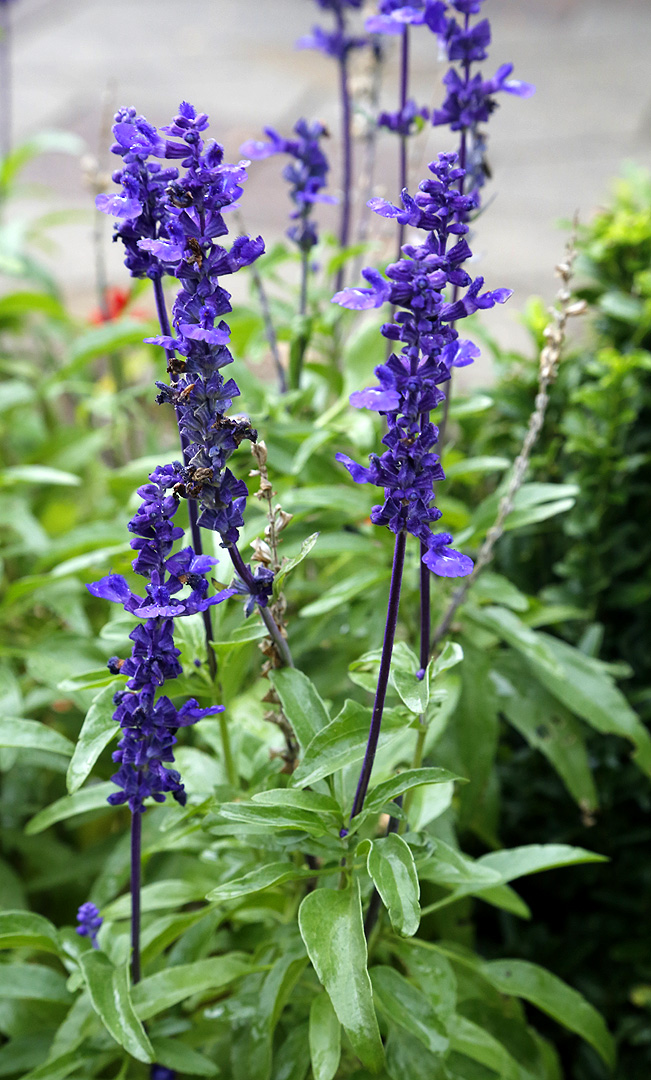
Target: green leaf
(291,564)
(461,407)
(534,502)
(301,702)
(325,1038)
(449,657)
(37,474)
(253,1042)
(474,466)
(578,681)
(300,800)
(475,1042)
(341,743)
(61,1067)
(390,864)
(519,978)
(108,987)
(547,726)
(333,931)
(31,735)
(273,817)
(97,730)
(90,798)
(87,680)
(407,1059)
(379,796)
(346,589)
(33,981)
(24,929)
(158,992)
(176,1055)
(102,340)
(159,896)
(264,877)
(405,1005)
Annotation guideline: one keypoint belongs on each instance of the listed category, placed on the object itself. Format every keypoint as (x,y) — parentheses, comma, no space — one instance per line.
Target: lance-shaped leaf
(24,929)
(325,1038)
(33,981)
(479,1045)
(386,792)
(390,864)
(405,1005)
(263,877)
(519,978)
(342,743)
(31,735)
(90,798)
(167,988)
(97,730)
(301,703)
(332,928)
(108,987)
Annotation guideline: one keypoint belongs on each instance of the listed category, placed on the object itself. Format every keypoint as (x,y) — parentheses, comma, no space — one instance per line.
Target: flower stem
(192,503)
(275,634)
(404,89)
(383,676)
(136,848)
(344,229)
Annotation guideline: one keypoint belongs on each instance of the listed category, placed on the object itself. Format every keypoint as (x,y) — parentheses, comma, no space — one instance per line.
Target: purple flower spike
(409,383)
(307,173)
(89,921)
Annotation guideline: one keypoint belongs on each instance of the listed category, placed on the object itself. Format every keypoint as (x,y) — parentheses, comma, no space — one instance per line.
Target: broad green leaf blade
(178,1056)
(108,987)
(273,817)
(384,793)
(391,865)
(90,798)
(519,978)
(341,743)
(97,730)
(102,340)
(345,590)
(475,1042)
(547,726)
(449,657)
(578,681)
(31,735)
(159,896)
(407,1059)
(60,1068)
(253,1043)
(24,929)
(532,858)
(300,800)
(473,466)
(291,564)
(332,928)
(325,1038)
(301,703)
(37,474)
(264,877)
(167,988)
(405,1005)
(33,981)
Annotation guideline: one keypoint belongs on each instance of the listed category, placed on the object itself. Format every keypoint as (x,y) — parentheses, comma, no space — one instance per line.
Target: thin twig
(269,328)
(550,358)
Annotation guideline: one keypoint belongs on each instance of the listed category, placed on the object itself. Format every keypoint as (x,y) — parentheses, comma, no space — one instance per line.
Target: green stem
(229,761)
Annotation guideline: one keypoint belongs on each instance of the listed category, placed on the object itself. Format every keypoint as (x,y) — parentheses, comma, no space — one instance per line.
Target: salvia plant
(303,903)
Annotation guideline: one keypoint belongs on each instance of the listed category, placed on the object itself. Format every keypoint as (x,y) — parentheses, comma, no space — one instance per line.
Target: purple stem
(344,230)
(383,677)
(274,630)
(192,503)
(136,847)
(463,153)
(404,89)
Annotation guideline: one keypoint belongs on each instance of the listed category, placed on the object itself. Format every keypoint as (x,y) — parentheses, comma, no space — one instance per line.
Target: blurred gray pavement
(235,59)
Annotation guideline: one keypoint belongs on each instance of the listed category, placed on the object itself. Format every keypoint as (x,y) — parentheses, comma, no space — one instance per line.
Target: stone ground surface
(551,155)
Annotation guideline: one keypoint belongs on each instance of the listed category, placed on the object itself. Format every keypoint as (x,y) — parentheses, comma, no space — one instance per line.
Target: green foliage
(256,964)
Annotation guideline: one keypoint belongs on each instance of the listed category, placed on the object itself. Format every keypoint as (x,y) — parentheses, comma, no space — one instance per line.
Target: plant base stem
(136,852)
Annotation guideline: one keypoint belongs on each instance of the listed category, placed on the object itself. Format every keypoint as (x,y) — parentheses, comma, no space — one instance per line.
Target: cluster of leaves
(593,559)
(254,955)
